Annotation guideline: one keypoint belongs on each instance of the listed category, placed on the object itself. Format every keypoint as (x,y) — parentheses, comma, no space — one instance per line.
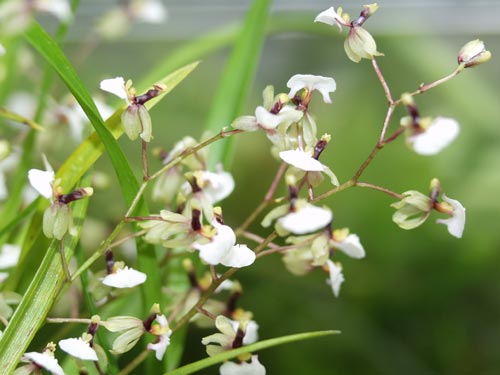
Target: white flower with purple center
(222,249)
(456,222)
(439,134)
(325,85)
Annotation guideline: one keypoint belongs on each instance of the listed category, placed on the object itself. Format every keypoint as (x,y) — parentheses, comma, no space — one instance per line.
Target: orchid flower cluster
(191,226)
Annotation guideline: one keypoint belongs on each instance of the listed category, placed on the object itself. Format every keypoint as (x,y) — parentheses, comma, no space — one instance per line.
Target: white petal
(125,278)
(267,119)
(351,246)
(245,368)
(115,86)
(41,181)
(161,346)
(324,85)
(9,255)
(220,245)
(238,256)
(302,160)
(78,349)
(251,331)
(307,219)
(45,361)
(336,277)
(440,134)
(59,8)
(330,17)
(2,50)
(220,185)
(152,11)
(456,223)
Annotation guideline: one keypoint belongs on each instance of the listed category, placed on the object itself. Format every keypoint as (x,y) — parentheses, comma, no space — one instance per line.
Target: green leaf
(237,79)
(210,361)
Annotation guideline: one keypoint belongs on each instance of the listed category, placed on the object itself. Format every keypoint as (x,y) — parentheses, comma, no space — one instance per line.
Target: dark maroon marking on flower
(148,323)
(319,148)
(150,94)
(73,196)
(238,340)
(276,108)
(110,261)
(196,220)
(231,303)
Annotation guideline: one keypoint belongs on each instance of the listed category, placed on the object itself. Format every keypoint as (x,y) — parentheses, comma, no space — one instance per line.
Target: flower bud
(131,122)
(473,53)
(360,45)
(57,220)
(412,210)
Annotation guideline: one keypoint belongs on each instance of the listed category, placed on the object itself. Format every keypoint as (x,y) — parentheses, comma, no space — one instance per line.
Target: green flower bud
(57,220)
(131,122)
(360,45)
(473,53)
(137,122)
(412,210)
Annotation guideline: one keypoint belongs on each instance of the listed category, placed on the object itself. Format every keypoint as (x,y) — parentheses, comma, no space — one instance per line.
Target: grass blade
(236,79)
(210,361)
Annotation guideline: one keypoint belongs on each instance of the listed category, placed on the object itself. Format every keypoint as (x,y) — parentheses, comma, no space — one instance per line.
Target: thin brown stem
(380,188)
(382,80)
(335,190)
(267,199)
(192,150)
(387,121)
(257,238)
(276,180)
(423,88)
(145,165)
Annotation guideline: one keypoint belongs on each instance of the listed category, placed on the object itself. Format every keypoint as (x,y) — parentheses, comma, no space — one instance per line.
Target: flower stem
(382,80)
(380,188)
(423,88)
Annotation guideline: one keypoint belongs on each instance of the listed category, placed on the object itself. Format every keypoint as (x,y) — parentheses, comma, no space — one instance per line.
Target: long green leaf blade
(236,79)
(210,361)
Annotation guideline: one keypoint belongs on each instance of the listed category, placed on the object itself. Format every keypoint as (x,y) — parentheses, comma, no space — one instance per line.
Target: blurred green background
(421,302)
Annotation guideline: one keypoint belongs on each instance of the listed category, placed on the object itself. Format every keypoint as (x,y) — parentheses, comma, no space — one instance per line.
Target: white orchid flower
(439,134)
(222,249)
(325,85)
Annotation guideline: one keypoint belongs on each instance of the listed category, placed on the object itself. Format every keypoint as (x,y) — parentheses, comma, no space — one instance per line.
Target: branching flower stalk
(191,222)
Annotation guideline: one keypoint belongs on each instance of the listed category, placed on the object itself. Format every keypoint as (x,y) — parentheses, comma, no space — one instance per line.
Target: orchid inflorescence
(191,224)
